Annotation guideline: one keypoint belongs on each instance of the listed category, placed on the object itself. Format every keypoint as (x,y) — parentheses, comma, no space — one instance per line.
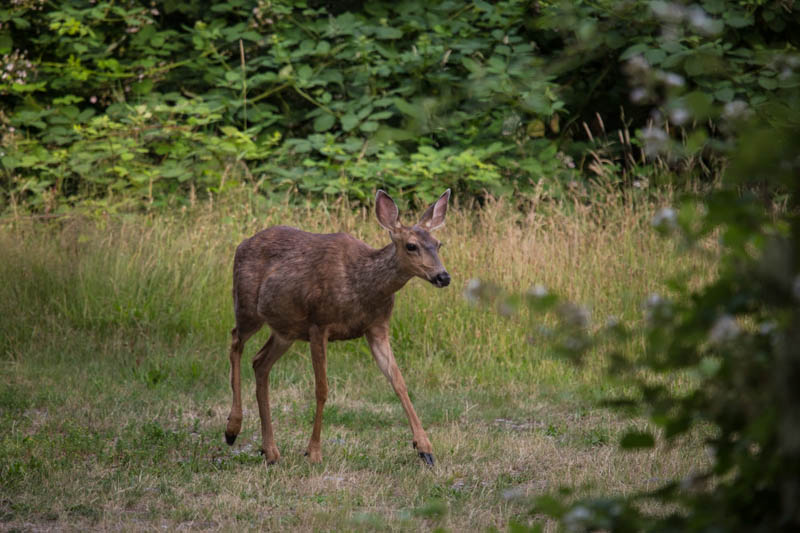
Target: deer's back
(292,279)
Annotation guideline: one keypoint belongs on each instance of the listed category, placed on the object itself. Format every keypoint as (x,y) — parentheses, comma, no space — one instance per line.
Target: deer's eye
(411,247)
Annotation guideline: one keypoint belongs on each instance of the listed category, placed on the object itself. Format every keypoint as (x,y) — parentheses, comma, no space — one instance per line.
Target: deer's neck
(381,274)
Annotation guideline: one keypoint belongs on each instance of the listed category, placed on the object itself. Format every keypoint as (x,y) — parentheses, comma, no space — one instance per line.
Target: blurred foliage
(732,339)
(141,103)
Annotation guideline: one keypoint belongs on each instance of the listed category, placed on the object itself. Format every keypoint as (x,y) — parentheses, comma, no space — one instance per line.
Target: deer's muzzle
(442,279)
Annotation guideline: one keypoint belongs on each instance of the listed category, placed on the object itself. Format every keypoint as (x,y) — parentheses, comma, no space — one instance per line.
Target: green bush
(338,98)
(145,103)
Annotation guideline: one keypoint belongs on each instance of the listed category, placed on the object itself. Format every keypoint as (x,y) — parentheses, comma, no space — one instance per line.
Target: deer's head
(417,250)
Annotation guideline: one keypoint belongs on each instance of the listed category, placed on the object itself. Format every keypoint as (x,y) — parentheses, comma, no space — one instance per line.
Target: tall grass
(113,349)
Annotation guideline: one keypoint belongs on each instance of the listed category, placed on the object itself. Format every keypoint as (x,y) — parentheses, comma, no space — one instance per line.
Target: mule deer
(321,288)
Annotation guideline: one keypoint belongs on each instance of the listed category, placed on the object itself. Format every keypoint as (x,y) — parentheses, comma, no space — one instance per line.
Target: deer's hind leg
(319,346)
(275,347)
(239,336)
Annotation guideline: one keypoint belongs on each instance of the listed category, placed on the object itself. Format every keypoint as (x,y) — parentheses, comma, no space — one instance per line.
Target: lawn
(114,335)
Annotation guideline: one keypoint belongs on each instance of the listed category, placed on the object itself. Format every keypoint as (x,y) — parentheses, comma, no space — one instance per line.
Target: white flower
(679,116)
(472,292)
(575,315)
(668,11)
(655,140)
(671,79)
(538,291)
(701,22)
(725,329)
(653,300)
(765,328)
(737,109)
(505,309)
(638,95)
(637,65)
(657,309)
(578,519)
(665,219)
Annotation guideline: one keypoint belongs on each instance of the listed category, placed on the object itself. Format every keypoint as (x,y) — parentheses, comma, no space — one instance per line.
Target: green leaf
(549,505)
(21,23)
(383,32)
(725,94)
(304,72)
(700,64)
(738,18)
(714,6)
(6,43)
(250,36)
(386,133)
(349,122)
(634,439)
(535,128)
(471,65)
(10,162)
(67,99)
(497,64)
(381,115)
(636,49)
(143,87)
(324,122)
(538,103)
(699,104)
(676,426)
(696,140)
(655,56)
(369,126)
(768,83)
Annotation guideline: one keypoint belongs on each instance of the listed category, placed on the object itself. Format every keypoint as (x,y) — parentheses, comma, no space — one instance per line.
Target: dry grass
(113,342)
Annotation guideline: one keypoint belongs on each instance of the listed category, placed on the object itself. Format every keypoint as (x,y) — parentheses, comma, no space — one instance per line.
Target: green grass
(114,390)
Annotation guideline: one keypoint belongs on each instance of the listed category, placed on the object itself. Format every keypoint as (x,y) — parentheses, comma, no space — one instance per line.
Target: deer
(328,287)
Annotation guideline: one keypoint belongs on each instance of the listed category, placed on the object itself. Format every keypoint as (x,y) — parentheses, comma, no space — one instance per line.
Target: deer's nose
(442,279)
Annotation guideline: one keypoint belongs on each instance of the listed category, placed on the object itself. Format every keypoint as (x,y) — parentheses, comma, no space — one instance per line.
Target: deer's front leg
(318,339)
(378,340)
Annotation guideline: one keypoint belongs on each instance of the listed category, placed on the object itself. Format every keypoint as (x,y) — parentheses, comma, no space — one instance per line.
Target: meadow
(114,335)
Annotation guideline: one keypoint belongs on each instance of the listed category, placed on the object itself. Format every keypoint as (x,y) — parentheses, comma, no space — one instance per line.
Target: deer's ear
(386,211)
(433,217)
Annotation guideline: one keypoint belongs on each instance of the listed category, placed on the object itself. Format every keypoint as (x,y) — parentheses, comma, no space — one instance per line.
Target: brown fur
(321,288)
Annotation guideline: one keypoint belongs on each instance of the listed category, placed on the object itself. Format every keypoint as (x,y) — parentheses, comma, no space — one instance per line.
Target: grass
(114,391)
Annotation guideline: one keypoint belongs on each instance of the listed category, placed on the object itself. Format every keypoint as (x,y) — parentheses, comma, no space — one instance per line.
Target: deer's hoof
(271,456)
(427,458)
(233,428)
(314,456)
